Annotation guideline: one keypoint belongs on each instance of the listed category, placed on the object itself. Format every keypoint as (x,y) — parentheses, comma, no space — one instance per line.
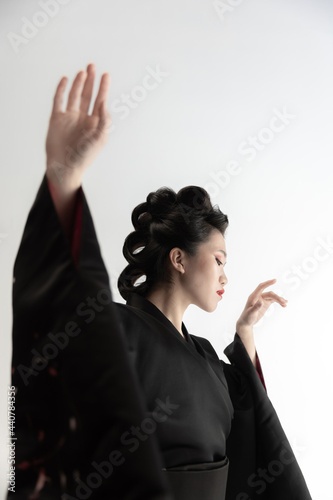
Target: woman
(208,429)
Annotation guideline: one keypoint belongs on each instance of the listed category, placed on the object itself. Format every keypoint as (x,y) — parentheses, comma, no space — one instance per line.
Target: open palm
(75,138)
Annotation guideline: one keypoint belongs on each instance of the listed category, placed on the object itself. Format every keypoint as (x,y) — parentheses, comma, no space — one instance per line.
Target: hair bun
(195,198)
(141,217)
(161,203)
(133,245)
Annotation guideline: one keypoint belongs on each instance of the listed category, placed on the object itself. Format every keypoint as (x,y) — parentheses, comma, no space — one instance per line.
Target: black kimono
(110,394)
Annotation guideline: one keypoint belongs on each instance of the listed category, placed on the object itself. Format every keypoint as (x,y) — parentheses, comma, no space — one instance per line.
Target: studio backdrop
(233,96)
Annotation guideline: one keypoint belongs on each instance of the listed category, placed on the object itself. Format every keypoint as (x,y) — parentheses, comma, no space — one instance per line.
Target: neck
(170,304)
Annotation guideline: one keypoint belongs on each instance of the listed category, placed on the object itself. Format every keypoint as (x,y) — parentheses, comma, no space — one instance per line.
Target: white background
(227,72)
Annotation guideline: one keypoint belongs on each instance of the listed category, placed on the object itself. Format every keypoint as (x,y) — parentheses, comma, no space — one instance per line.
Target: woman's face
(204,277)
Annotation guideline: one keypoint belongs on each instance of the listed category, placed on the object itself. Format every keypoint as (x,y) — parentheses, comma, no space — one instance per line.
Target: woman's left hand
(258,303)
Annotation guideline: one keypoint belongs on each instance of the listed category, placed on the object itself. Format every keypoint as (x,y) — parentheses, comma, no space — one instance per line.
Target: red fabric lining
(259,371)
(77,227)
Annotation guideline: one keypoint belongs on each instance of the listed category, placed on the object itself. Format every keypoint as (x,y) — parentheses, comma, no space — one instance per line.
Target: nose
(223,278)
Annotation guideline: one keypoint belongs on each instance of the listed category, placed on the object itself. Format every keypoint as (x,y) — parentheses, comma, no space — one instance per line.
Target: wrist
(244,331)
(63,180)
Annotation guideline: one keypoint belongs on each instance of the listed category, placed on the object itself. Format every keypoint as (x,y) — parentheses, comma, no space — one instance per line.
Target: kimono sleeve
(262,463)
(77,397)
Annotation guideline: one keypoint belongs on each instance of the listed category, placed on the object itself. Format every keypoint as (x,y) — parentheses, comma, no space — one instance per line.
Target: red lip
(220,292)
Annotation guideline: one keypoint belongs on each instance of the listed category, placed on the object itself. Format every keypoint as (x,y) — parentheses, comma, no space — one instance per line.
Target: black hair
(164,221)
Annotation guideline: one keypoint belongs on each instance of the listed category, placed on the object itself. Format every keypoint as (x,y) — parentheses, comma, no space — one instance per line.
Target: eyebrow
(222,251)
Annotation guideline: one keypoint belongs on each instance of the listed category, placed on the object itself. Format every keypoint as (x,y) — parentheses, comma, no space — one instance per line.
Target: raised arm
(74,139)
(77,394)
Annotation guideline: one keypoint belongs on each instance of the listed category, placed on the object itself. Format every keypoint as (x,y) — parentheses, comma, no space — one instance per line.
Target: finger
(75,92)
(102,93)
(274,297)
(257,292)
(59,95)
(87,89)
(104,121)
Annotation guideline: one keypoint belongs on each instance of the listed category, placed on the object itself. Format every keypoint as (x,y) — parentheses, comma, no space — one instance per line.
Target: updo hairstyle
(164,221)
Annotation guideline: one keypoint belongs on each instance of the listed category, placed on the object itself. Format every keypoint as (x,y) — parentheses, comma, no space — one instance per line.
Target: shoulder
(129,316)
(136,324)
(124,311)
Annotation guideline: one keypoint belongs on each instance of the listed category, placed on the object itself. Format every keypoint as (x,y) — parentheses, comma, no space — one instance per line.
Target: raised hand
(258,303)
(256,306)
(75,138)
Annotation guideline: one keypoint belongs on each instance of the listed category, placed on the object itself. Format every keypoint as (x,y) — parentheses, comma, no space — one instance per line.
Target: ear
(176,257)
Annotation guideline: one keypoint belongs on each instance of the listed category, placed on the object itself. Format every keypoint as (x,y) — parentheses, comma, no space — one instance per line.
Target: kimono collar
(136,300)
(191,344)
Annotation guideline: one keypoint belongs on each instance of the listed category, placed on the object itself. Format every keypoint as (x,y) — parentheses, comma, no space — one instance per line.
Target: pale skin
(74,139)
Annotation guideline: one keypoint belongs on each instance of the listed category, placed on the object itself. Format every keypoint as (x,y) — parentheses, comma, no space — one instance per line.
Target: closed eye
(218,261)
